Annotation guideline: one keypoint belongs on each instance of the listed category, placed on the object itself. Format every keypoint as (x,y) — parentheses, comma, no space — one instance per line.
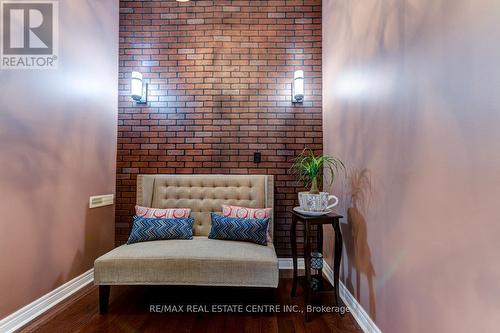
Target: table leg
(293,241)
(338,256)
(320,237)
(307,263)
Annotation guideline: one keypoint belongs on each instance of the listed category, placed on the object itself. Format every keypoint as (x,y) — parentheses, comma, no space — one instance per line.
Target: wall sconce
(298,87)
(139,95)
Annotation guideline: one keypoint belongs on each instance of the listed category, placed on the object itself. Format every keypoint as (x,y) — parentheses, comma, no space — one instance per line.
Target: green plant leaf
(307,166)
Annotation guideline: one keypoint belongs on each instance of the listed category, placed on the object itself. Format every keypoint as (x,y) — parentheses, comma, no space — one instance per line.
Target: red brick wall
(220,77)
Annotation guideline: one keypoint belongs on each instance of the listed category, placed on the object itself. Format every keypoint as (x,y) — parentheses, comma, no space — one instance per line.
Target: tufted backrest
(205,194)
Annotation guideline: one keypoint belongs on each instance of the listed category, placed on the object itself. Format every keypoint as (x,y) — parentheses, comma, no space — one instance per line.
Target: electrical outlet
(257,157)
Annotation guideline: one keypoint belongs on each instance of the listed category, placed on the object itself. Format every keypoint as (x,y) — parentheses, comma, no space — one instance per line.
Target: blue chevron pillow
(149,229)
(238,229)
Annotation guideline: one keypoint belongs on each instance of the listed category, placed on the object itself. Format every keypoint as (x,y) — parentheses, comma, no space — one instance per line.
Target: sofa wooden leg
(103,298)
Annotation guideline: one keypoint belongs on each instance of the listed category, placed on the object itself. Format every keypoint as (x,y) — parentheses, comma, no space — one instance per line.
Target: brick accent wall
(219,75)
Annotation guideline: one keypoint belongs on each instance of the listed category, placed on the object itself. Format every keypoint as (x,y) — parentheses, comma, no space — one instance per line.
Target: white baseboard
(357,311)
(26,314)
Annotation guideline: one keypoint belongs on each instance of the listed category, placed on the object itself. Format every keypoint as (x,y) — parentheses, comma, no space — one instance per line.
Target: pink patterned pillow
(245,212)
(249,213)
(169,213)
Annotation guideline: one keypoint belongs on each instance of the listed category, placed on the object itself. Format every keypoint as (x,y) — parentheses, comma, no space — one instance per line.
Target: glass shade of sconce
(137,91)
(182,0)
(298,87)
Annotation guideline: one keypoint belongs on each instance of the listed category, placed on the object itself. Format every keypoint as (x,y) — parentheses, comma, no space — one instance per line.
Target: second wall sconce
(138,90)
(298,87)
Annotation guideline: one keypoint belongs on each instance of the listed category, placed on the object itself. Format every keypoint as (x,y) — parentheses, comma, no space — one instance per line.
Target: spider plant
(308,167)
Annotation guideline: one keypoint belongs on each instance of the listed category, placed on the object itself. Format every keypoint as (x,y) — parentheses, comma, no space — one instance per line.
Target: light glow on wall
(365,84)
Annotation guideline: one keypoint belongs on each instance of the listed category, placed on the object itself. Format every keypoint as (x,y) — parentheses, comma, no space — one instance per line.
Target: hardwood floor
(129,311)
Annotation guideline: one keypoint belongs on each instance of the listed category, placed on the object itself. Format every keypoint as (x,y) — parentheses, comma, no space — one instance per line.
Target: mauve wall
(58,147)
(220,76)
(412,104)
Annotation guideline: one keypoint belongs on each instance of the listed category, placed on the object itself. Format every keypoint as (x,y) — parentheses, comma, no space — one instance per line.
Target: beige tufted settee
(200,261)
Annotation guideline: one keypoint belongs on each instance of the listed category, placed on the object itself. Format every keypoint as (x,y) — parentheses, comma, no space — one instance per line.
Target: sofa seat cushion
(200,261)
